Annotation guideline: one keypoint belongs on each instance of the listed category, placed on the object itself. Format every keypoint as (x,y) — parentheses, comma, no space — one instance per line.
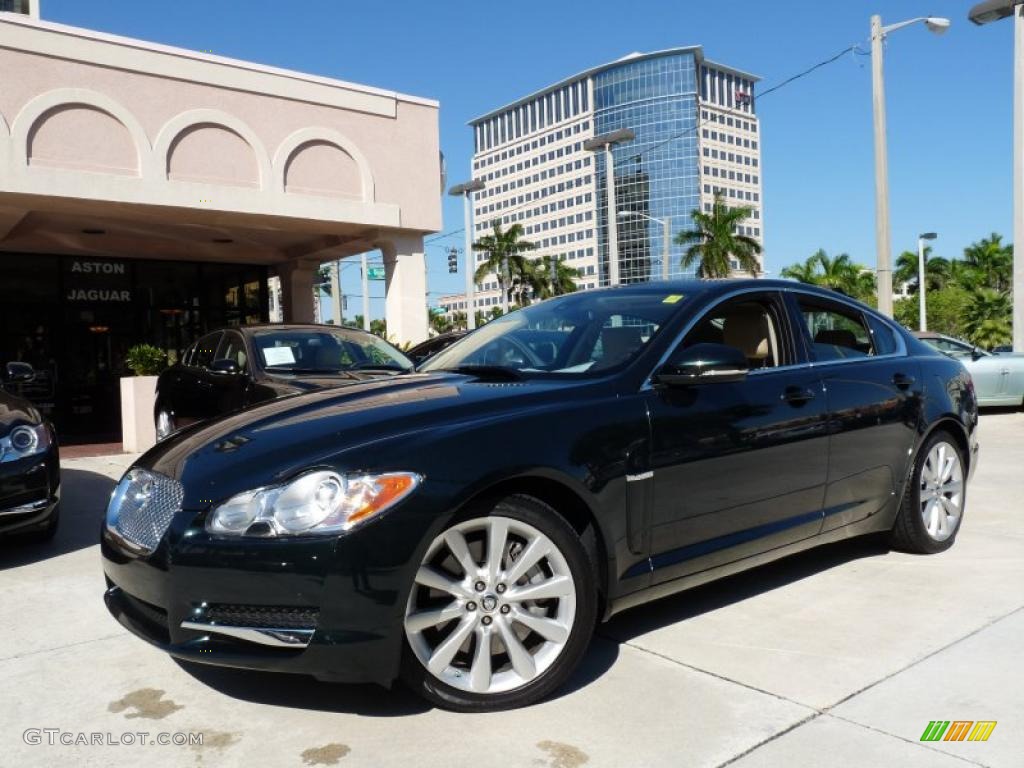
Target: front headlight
(23,441)
(320,502)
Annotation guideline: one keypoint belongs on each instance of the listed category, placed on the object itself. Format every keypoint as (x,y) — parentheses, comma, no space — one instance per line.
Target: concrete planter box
(138,398)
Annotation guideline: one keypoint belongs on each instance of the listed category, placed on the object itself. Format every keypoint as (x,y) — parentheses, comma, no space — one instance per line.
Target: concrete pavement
(836,657)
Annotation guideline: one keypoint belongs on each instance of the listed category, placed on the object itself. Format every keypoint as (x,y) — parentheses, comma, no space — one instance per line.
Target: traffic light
(453,260)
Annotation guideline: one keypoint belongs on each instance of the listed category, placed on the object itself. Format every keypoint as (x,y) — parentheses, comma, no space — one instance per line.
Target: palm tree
(987,318)
(714,241)
(936,271)
(992,261)
(505,259)
(840,273)
(545,284)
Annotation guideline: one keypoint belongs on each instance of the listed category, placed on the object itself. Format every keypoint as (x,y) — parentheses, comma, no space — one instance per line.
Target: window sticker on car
(672,298)
(278,355)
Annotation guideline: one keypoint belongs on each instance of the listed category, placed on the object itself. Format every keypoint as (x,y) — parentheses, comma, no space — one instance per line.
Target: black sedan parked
(233,368)
(464,527)
(29,464)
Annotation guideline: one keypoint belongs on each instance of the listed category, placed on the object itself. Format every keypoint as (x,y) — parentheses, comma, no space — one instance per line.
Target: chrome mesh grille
(142,507)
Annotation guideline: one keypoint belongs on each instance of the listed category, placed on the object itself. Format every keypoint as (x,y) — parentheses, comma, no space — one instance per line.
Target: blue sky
(949,98)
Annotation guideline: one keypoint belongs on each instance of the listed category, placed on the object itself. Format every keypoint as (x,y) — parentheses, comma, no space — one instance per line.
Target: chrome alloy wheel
(942,491)
(492,606)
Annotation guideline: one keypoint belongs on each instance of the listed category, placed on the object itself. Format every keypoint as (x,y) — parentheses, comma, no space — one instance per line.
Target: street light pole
(466,191)
(882,240)
(922,316)
(983,13)
(605,142)
(665,236)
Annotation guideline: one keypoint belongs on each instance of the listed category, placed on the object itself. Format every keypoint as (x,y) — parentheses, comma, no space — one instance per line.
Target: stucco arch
(42,104)
(197,117)
(304,136)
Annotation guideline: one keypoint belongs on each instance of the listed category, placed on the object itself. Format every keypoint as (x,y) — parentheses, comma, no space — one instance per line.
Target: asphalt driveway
(838,657)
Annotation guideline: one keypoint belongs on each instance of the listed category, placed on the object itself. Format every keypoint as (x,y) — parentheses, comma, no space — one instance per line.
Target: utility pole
(883,268)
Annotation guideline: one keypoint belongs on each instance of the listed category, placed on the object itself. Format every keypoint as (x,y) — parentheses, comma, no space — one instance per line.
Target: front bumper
(29,492)
(196,597)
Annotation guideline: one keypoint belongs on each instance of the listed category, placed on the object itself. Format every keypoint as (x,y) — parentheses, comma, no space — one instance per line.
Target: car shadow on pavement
(305,692)
(737,588)
(83,503)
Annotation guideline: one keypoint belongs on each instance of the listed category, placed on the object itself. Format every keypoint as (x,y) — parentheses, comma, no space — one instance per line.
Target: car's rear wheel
(501,610)
(164,423)
(933,503)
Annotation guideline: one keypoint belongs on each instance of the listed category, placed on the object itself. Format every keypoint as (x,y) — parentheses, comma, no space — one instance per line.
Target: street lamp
(883,269)
(605,142)
(983,13)
(922,315)
(665,223)
(466,190)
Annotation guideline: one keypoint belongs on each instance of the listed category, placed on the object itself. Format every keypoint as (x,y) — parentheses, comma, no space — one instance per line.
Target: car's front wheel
(501,610)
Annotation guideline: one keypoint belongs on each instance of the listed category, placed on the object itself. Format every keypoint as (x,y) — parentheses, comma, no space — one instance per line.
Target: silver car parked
(998,379)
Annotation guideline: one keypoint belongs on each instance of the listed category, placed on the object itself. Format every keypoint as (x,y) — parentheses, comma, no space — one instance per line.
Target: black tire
(585,577)
(908,531)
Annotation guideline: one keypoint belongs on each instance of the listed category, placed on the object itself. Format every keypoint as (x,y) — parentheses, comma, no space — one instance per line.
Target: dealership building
(148,193)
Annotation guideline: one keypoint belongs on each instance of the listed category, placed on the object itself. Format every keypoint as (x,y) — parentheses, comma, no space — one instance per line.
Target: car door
(873,394)
(739,467)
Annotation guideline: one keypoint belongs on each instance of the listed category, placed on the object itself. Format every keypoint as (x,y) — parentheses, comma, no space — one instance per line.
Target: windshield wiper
(485,371)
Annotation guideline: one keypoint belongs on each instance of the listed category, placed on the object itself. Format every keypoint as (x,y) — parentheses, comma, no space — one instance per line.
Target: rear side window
(884,337)
(836,332)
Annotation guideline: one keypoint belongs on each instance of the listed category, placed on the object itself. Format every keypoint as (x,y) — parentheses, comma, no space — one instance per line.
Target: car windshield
(578,335)
(326,351)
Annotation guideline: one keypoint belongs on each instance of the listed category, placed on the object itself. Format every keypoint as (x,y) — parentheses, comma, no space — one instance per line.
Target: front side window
(836,332)
(750,325)
(233,348)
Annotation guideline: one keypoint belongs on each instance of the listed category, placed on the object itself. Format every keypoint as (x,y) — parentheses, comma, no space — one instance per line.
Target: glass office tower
(656,174)
(696,136)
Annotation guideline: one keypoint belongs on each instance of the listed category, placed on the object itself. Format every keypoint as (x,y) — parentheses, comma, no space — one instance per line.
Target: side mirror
(19,373)
(702,364)
(975,353)
(225,367)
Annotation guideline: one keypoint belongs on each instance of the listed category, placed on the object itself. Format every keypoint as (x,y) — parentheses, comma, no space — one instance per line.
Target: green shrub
(146,360)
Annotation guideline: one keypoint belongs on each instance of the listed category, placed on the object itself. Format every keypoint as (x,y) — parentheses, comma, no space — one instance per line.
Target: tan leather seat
(749,332)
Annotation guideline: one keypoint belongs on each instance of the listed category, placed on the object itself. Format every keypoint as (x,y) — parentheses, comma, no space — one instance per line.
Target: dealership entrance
(74,319)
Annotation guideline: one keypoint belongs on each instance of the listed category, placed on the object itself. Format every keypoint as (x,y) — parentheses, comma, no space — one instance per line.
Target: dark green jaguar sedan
(466,526)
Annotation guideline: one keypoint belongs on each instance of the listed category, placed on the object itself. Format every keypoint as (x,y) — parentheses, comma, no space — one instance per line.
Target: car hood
(273,441)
